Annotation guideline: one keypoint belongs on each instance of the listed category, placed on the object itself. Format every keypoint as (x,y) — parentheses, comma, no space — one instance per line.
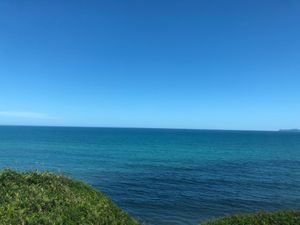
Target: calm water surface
(165,177)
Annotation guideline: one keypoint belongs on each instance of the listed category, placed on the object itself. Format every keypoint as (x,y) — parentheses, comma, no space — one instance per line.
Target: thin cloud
(25,115)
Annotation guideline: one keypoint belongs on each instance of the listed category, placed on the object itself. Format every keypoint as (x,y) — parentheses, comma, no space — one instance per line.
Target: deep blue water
(166,177)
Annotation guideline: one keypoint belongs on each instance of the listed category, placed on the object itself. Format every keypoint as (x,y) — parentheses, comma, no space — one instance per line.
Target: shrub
(46,198)
(288,217)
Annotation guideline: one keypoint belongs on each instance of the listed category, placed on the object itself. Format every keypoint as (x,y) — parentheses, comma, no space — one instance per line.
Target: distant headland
(289,130)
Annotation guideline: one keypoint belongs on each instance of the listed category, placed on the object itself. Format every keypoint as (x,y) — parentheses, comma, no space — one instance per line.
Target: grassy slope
(291,217)
(46,198)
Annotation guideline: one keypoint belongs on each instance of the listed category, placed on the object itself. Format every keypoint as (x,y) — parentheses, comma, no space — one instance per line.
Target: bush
(47,198)
(291,217)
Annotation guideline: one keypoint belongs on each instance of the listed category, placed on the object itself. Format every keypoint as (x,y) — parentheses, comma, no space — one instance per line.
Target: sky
(203,64)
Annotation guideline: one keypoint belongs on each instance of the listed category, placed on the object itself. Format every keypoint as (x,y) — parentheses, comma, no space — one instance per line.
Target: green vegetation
(291,217)
(46,198)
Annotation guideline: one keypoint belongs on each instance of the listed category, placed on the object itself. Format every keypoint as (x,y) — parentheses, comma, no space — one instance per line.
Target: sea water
(167,176)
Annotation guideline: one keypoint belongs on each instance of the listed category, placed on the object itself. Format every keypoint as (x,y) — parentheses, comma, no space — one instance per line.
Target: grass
(46,198)
(289,217)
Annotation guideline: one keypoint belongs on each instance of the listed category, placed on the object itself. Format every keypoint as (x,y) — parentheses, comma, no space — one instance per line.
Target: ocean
(167,176)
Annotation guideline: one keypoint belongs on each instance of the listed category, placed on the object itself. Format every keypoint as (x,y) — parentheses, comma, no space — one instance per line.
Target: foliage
(47,198)
(288,217)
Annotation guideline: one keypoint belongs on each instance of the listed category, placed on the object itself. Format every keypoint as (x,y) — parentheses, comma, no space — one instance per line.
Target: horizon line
(158,128)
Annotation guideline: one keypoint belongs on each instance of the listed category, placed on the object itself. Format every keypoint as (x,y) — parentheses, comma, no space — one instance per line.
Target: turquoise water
(163,176)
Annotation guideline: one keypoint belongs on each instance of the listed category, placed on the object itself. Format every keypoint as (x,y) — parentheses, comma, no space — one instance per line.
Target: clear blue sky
(158,63)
